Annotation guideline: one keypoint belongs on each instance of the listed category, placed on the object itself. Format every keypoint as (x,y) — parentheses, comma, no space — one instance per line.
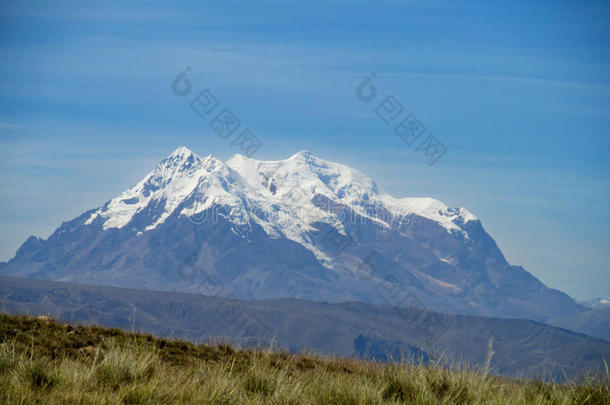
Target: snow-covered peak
(302,155)
(310,174)
(298,179)
(304,175)
(182,151)
(284,190)
(430,208)
(181,160)
(170,182)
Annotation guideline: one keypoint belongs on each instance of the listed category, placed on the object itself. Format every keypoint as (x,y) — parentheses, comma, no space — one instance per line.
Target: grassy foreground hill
(42,361)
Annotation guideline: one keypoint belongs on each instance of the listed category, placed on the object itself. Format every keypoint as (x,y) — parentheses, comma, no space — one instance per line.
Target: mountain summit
(301,227)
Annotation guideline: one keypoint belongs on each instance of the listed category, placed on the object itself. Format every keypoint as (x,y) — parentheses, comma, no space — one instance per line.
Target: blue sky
(517,91)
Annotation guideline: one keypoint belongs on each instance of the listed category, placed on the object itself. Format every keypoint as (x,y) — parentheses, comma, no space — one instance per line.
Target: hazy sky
(517,91)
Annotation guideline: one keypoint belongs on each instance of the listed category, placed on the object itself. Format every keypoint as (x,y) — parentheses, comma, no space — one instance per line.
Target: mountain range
(302,228)
(512,347)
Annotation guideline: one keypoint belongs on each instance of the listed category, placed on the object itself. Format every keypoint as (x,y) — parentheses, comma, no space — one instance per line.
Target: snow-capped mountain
(301,227)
